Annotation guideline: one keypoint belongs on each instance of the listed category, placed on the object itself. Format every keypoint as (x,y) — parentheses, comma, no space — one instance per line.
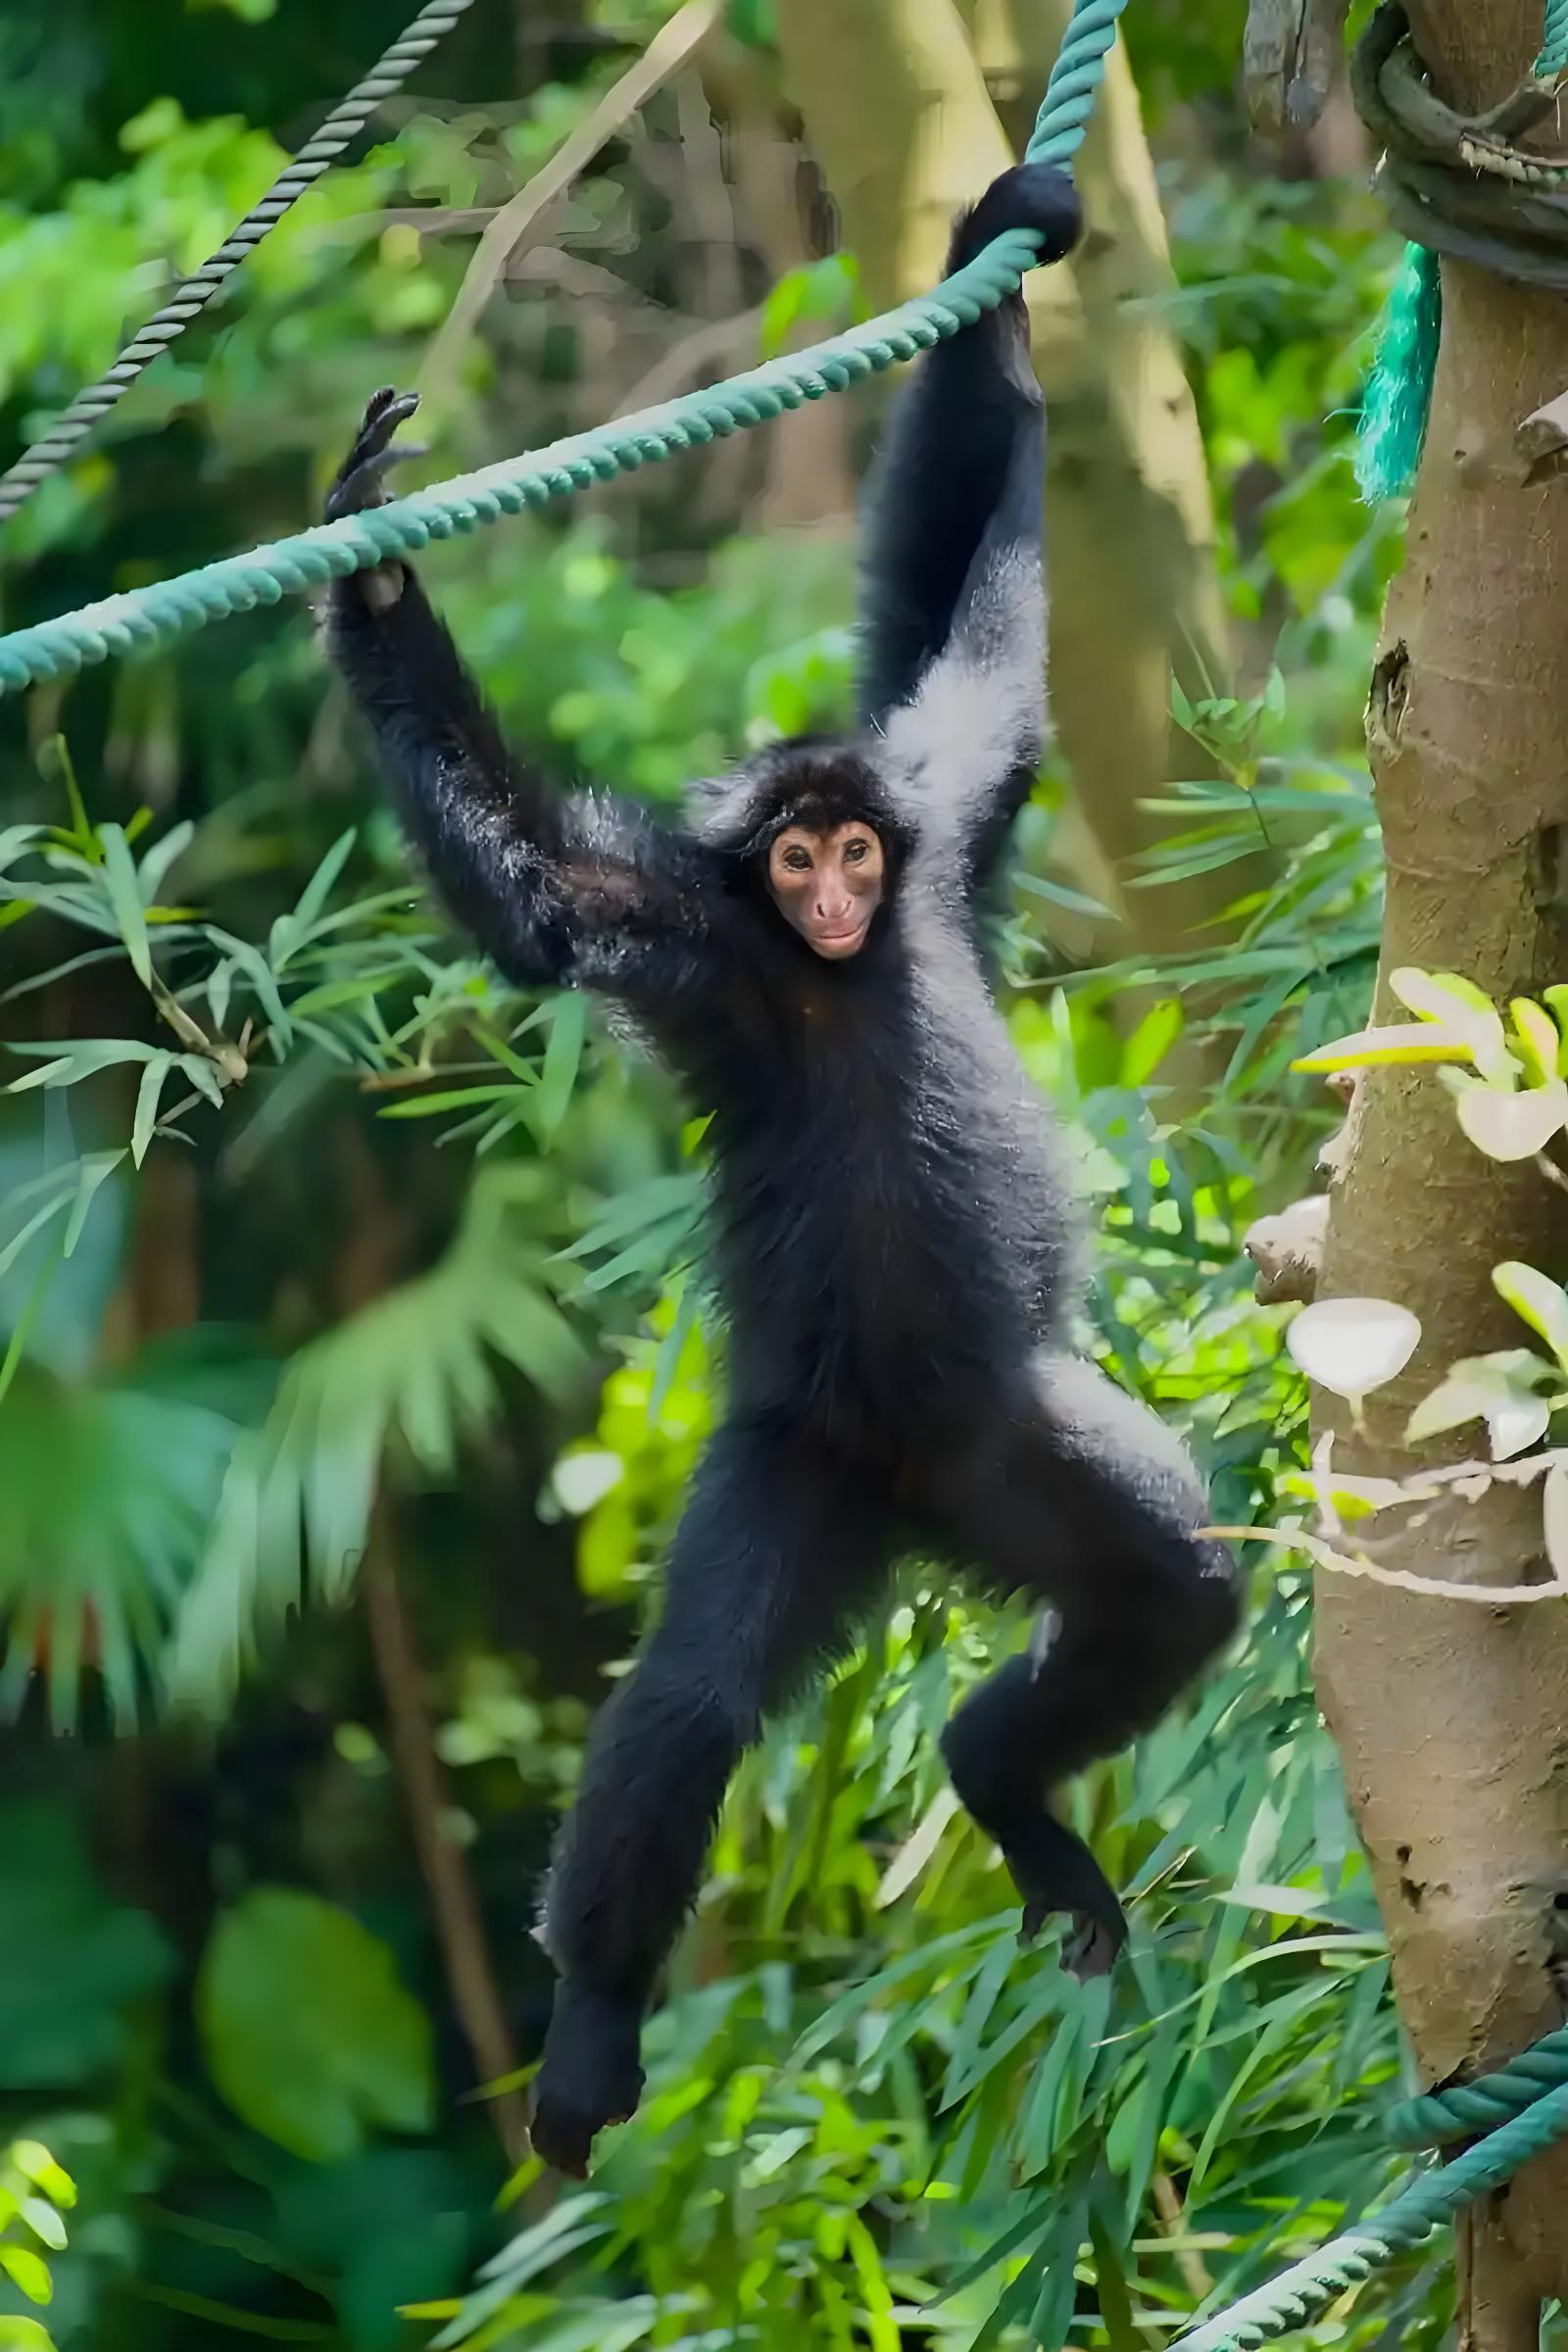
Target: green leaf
(74,1966)
(77,1061)
(35,1223)
(1539,1041)
(1541,1302)
(44,2223)
(28,2270)
(1057,894)
(35,2164)
(124,896)
(1400,1042)
(146,1114)
(258,972)
(160,857)
(19,2334)
(307,2030)
(563,1056)
(96,1167)
(1150,1040)
(453,1097)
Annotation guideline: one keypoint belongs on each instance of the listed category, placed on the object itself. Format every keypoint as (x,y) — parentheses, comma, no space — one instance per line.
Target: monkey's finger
(384,413)
(361,486)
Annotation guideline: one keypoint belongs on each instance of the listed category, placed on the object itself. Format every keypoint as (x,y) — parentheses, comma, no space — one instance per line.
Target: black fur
(896,1243)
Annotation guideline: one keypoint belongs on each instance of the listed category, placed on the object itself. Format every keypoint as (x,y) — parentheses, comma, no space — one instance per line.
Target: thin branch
(663,55)
(702,349)
(459,1921)
(1323,1556)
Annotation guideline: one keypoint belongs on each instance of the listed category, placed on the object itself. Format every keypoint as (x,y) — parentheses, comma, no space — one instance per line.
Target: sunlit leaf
(1539,1041)
(1354,1346)
(1513,1126)
(1450,1002)
(1543,1302)
(1499,1390)
(1409,1042)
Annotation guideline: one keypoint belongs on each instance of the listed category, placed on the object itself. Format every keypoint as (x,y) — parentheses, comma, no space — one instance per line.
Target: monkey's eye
(855,852)
(798,860)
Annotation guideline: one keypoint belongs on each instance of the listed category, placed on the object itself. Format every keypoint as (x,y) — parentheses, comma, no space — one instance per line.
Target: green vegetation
(352,1357)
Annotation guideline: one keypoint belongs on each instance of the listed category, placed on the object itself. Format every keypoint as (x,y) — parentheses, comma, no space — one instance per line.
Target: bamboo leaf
(317,890)
(95,1170)
(147,1094)
(124,897)
(160,857)
(563,1058)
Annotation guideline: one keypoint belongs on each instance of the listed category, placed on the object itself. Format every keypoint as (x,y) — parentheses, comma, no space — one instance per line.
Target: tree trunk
(811,479)
(1451,1718)
(895,100)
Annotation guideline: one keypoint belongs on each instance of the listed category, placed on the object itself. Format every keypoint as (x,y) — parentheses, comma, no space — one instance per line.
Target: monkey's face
(829,885)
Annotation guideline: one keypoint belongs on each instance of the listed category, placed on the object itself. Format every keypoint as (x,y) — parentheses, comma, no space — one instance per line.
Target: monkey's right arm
(953,594)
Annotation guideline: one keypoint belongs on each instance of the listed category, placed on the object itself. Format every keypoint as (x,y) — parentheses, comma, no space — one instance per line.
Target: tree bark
(1452,1719)
(810,479)
(895,99)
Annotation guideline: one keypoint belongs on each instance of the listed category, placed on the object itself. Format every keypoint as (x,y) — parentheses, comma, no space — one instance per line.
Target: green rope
(1553,43)
(144,617)
(1531,2092)
(189,299)
(1479,2106)
(1460,184)
(1398,400)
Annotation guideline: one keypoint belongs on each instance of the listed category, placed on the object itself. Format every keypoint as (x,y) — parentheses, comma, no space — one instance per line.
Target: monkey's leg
(1082,1498)
(770,1558)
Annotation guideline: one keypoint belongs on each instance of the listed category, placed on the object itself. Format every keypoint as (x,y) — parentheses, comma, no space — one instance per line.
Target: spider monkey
(895,1240)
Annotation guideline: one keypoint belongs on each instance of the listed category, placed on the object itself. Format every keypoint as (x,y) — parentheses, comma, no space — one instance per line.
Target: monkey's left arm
(954,592)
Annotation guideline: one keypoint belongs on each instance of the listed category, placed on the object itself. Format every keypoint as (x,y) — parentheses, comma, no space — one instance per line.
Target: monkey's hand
(360,481)
(1036,196)
(590,2076)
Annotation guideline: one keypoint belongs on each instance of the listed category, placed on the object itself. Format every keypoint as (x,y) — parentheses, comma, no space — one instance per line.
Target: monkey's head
(811,823)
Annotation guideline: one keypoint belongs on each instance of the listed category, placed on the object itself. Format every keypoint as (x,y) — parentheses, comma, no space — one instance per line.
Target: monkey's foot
(1056,1873)
(590,2076)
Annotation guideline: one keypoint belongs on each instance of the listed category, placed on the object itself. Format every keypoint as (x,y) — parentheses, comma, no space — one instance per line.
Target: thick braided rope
(1307,2287)
(73,426)
(1479,2106)
(1075,81)
(1554,41)
(144,617)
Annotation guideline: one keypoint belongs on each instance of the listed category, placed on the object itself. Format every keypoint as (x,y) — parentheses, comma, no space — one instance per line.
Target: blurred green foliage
(302,1208)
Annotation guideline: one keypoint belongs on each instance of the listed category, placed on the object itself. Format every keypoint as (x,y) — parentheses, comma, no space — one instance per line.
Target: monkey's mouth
(843,936)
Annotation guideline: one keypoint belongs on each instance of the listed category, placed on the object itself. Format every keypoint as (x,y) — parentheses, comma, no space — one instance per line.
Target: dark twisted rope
(1461,184)
(143,618)
(73,426)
